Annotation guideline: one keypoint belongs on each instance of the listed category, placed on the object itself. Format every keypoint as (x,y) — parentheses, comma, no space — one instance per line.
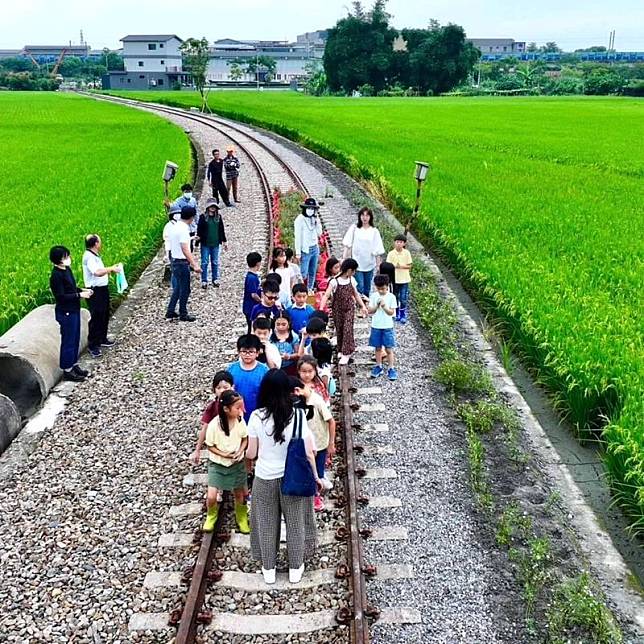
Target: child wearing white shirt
(382,306)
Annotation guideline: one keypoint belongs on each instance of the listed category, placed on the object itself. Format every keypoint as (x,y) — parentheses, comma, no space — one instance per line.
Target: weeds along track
(216,591)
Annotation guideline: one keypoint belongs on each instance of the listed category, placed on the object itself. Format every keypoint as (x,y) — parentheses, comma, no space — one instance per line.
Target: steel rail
(360,611)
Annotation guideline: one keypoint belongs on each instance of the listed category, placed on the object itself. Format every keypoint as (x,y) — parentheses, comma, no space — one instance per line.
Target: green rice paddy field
(71,166)
(538,204)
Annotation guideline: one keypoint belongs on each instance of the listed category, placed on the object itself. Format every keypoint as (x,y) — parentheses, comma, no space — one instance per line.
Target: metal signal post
(422,169)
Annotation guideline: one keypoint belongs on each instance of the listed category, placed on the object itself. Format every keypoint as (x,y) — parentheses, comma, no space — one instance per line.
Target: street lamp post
(420,175)
(257,68)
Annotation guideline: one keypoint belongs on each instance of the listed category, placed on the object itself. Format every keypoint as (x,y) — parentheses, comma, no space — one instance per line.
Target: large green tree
(363,50)
(359,49)
(439,58)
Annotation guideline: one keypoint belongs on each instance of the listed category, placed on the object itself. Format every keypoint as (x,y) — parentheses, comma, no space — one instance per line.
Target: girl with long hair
(270,429)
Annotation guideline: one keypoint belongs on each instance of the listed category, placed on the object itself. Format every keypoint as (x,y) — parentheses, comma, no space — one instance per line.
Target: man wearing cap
(182,260)
(215,178)
(96,277)
(231,166)
(307,230)
(187,199)
(212,235)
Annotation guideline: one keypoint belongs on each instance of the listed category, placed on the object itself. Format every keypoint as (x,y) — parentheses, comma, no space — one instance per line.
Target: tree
(595,48)
(439,58)
(359,49)
(235,72)
(195,61)
(550,48)
(261,66)
(316,82)
(603,80)
(530,73)
(532,47)
(113,60)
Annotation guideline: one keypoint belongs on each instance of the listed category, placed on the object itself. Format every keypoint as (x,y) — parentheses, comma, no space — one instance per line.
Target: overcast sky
(571,23)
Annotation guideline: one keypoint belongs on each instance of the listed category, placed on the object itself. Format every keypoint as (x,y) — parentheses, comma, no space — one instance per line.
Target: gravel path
(79,525)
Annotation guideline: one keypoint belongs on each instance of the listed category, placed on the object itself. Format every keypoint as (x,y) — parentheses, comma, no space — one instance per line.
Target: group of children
(288,333)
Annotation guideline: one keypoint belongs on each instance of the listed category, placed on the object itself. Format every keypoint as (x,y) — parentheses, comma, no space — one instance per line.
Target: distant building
(291,58)
(10,53)
(313,37)
(151,61)
(507,46)
(51,53)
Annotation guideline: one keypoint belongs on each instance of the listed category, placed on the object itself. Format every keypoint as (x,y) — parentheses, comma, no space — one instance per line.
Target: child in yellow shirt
(226,440)
(400,257)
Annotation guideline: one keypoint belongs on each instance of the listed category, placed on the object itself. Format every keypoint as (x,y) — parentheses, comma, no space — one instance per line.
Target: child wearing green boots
(226,440)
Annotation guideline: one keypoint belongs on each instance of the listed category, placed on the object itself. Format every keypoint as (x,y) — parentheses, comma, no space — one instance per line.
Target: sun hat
(310,202)
(212,202)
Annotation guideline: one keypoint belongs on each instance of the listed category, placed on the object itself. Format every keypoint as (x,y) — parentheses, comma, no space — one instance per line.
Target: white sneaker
(269,575)
(326,484)
(295,574)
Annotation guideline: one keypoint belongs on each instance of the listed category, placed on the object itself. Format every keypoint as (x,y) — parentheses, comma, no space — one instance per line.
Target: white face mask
(67,261)
(310,212)
(187,195)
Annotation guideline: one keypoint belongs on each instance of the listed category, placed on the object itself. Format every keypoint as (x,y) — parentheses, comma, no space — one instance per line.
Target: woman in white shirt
(363,242)
(307,229)
(270,429)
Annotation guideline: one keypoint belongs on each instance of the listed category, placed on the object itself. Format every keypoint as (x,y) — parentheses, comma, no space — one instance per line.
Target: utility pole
(257,67)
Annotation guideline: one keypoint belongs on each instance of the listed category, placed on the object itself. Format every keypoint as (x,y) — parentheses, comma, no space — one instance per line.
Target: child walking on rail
(344,290)
(226,440)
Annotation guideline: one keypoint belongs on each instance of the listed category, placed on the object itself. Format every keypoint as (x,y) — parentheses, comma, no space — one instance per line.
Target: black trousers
(99,308)
(219,189)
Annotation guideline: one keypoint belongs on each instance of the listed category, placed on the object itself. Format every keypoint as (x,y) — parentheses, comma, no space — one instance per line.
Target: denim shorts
(382,338)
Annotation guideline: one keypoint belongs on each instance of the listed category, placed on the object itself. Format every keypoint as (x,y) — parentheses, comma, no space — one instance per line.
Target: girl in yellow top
(400,257)
(226,439)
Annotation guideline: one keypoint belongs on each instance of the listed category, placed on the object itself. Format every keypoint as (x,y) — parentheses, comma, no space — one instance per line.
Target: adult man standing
(215,178)
(231,166)
(96,277)
(182,260)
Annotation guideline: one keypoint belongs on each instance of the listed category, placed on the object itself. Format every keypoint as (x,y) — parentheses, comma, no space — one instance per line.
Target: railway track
(197,613)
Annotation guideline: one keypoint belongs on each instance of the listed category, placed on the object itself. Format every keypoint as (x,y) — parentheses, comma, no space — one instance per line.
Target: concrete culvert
(29,354)
(10,422)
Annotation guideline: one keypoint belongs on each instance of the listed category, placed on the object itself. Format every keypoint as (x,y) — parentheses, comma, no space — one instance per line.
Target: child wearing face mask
(67,310)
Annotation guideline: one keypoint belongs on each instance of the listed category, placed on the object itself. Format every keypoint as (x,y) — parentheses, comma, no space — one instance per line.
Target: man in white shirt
(174,213)
(182,260)
(96,277)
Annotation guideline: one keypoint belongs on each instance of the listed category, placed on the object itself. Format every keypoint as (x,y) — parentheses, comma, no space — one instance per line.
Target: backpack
(298,479)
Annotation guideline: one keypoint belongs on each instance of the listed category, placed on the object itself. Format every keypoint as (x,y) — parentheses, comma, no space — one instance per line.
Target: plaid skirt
(267,506)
